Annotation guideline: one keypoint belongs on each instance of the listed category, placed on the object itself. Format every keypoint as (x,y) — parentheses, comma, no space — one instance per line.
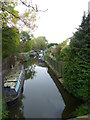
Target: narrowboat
(41,58)
(13,85)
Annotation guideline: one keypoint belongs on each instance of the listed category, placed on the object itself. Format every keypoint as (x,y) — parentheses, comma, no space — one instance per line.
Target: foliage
(76,61)
(75,58)
(10,41)
(59,48)
(51,44)
(39,43)
(28,43)
(25,36)
(76,65)
(65,53)
(8,14)
(4,111)
(81,110)
(25,46)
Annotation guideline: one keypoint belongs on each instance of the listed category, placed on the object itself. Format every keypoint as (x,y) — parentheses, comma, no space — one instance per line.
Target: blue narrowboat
(41,58)
(13,85)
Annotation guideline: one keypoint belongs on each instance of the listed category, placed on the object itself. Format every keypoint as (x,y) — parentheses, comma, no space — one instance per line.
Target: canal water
(43,96)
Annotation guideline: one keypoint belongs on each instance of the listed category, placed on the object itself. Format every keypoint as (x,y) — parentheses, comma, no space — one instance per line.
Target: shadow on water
(71,102)
(16,112)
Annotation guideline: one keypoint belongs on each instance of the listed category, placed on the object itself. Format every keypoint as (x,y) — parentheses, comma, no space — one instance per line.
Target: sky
(61,19)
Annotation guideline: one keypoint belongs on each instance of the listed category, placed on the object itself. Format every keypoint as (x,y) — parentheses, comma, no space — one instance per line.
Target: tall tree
(77,67)
(40,43)
(10,41)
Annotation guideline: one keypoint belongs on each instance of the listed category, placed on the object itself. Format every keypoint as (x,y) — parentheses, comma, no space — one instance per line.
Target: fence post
(61,69)
(57,67)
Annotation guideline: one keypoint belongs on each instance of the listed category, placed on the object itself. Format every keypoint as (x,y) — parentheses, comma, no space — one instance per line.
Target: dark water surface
(43,96)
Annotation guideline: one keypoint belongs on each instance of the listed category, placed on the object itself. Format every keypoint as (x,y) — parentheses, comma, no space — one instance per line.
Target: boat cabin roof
(11,79)
(10,84)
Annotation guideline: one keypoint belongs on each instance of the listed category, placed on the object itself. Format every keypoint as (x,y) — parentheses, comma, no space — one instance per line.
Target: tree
(25,46)
(57,53)
(10,41)
(10,16)
(25,41)
(51,44)
(39,43)
(25,36)
(77,66)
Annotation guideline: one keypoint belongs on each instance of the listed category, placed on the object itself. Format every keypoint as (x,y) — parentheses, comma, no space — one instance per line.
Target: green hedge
(76,68)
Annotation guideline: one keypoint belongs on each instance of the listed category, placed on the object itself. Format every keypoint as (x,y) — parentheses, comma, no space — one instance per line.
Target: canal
(43,96)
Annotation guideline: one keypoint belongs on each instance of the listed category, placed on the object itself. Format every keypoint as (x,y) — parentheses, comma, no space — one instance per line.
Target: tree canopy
(10,17)
(39,43)
(76,64)
(51,44)
(25,36)
(8,14)
(10,41)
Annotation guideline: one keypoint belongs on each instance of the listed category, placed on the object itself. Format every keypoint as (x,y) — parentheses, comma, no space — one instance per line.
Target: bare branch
(27,5)
(34,8)
(14,15)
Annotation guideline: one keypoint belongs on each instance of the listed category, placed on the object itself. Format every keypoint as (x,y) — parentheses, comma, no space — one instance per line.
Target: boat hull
(14,100)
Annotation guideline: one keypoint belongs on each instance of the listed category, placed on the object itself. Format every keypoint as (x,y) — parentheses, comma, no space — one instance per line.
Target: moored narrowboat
(13,85)
(41,58)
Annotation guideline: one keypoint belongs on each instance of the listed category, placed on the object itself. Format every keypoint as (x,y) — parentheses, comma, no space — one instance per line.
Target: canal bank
(43,96)
(85,117)
(81,109)
(57,69)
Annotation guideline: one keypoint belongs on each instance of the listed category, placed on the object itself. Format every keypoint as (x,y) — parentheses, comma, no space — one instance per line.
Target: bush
(76,68)
(81,110)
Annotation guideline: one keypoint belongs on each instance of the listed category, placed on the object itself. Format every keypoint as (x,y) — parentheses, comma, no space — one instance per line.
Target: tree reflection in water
(30,72)
(30,67)
(17,111)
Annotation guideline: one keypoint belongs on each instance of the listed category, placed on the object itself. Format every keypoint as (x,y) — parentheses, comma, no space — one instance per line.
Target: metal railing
(57,66)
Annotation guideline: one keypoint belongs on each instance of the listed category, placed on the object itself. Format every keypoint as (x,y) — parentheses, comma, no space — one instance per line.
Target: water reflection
(43,96)
(71,102)
(30,72)
(17,111)
(30,67)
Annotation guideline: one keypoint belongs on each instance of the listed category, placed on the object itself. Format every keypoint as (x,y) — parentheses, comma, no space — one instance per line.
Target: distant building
(89,7)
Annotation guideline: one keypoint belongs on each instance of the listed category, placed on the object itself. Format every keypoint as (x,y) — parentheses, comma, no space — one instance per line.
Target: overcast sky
(61,19)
